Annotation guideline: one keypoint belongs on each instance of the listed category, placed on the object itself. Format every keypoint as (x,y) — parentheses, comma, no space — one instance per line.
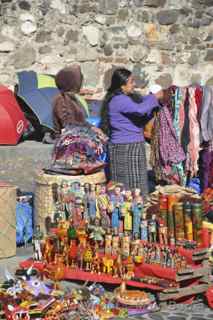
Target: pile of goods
(106,234)
(78,150)
(28,296)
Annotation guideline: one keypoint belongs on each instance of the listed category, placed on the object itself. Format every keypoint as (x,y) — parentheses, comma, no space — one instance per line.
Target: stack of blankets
(77,151)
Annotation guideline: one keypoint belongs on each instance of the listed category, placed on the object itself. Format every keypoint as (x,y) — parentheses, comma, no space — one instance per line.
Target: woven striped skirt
(128,165)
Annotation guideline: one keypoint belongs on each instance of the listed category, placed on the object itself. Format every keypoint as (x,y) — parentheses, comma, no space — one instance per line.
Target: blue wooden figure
(115,217)
(137,212)
(144,227)
(116,200)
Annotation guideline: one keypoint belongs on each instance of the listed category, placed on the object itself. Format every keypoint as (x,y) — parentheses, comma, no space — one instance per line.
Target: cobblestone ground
(196,311)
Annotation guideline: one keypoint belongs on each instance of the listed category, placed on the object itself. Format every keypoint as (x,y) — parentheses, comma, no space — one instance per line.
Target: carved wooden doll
(136,212)
(152,228)
(108,242)
(162,229)
(135,243)
(125,244)
(92,204)
(127,211)
(115,243)
(144,228)
(116,199)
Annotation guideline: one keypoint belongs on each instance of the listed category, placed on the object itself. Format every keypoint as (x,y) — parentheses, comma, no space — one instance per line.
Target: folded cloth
(78,148)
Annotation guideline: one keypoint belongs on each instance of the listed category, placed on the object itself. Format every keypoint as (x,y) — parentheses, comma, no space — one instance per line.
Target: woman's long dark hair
(119,78)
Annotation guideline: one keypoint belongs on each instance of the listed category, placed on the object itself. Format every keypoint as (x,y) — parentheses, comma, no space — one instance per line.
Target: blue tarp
(24,222)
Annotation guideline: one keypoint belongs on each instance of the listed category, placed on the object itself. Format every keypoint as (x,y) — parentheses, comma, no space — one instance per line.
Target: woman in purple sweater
(123,116)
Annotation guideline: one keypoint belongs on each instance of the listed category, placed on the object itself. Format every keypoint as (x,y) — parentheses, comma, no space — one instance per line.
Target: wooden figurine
(86,201)
(88,257)
(125,244)
(72,253)
(135,243)
(108,242)
(152,228)
(82,234)
(104,217)
(127,211)
(115,243)
(48,250)
(118,267)
(144,228)
(129,268)
(71,231)
(115,218)
(77,215)
(80,255)
(107,264)
(37,243)
(136,212)
(102,197)
(162,229)
(137,198)
(92,203)
(96,233)
(116,199)
(96,264)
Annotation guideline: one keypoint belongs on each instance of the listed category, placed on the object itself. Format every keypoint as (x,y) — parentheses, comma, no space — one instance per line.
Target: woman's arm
(127,105)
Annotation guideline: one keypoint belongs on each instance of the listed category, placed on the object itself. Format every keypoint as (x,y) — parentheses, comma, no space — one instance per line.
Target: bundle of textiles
(181,130)
(77,151)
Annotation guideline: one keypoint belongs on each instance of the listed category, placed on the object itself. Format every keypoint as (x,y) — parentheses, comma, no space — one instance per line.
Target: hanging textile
(194,132)
(166,153)
(206,119)
(206,166)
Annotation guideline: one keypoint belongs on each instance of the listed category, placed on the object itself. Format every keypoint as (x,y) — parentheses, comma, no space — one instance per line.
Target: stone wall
(170,41)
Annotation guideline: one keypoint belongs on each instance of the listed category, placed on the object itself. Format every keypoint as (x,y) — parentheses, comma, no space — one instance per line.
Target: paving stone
(177,318)
(156,316)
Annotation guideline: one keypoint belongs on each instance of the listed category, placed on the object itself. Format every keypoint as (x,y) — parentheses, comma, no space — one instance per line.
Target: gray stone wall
(168,41)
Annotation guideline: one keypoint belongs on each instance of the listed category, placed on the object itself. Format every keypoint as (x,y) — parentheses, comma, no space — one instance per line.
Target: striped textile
(128,165)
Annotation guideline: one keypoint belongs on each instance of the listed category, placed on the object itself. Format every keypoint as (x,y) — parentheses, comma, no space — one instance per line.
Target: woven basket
(7,220)
(45,188)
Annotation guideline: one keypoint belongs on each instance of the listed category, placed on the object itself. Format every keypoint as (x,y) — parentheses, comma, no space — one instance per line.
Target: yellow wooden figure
(107,264)
(126,211)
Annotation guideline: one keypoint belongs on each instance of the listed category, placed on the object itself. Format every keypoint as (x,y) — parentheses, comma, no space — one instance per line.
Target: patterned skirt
(128,165)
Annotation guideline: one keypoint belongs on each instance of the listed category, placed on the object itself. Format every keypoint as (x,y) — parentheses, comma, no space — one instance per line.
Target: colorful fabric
(206,119)
(166,153)
(170,150)
(78,148)
(194,129)
(128,165)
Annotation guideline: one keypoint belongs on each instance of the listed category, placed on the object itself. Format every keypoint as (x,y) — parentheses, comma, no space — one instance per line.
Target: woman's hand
(159,95)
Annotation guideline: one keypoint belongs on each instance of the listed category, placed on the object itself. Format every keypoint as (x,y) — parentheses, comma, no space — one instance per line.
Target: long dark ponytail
(119,78)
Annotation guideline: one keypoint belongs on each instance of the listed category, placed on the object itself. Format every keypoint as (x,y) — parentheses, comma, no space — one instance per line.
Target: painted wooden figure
(125,244)
(144,228)
(92,203)
(115,243)
(152,228)
(37,242)
(137,213)
(108,242)
(127,211)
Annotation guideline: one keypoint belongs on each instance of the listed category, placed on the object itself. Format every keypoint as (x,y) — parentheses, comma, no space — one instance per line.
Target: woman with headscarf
(68,107)
(79,144)
(122,119)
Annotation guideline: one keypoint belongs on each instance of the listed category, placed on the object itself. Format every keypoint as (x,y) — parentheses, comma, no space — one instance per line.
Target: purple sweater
(125,116)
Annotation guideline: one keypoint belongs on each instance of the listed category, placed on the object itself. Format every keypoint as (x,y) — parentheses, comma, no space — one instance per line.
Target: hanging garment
(206,119)
(78,148)
(166,152)
(206,166)
(194,130)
